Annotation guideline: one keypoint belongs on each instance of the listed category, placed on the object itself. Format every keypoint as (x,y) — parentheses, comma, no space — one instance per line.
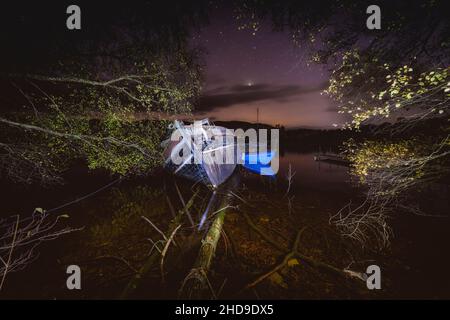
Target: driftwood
(285,261)
(295,253)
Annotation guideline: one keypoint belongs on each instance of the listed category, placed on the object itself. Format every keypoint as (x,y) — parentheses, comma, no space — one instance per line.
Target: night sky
(246,71)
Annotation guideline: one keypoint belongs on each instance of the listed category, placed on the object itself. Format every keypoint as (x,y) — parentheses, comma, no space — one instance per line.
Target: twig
(155,227)
(5,272)
(163,254)
(289,177)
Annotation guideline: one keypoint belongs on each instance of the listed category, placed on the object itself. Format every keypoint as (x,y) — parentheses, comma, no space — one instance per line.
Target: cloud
(223,97)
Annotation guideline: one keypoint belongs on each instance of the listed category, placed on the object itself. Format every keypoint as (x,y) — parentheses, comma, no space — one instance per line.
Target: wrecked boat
(209,154)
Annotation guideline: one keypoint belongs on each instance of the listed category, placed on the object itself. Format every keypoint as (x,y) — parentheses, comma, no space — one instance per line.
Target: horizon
(261,69)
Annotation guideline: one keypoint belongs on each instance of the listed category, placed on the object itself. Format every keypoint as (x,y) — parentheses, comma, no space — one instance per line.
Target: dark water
(115,240)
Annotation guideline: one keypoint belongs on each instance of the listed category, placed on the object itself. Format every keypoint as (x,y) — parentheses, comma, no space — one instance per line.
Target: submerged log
(196,285)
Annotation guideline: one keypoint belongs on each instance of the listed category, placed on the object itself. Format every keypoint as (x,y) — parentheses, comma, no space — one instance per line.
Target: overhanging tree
(100,95)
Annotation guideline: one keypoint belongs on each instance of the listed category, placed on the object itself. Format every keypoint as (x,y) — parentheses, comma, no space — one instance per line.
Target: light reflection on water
(315,174)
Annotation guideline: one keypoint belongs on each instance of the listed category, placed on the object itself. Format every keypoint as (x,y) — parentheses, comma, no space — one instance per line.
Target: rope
(85,196)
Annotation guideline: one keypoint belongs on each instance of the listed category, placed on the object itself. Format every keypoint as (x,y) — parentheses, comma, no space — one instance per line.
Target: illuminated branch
(76,136)
(392,174)
(20,238)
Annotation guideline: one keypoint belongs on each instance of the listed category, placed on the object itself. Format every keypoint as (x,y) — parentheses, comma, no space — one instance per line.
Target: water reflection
(314,174)
(118,241)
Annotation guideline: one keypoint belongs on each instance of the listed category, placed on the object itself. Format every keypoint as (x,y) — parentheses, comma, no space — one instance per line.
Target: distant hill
(242,125)
(309,139)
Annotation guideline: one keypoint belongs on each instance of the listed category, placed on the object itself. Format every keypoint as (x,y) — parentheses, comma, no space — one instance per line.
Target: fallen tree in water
(196,285)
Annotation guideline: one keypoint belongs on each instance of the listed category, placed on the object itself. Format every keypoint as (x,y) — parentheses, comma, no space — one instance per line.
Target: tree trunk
(196,285)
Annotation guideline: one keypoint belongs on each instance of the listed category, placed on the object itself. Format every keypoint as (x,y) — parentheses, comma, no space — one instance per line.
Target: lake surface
(115,240)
